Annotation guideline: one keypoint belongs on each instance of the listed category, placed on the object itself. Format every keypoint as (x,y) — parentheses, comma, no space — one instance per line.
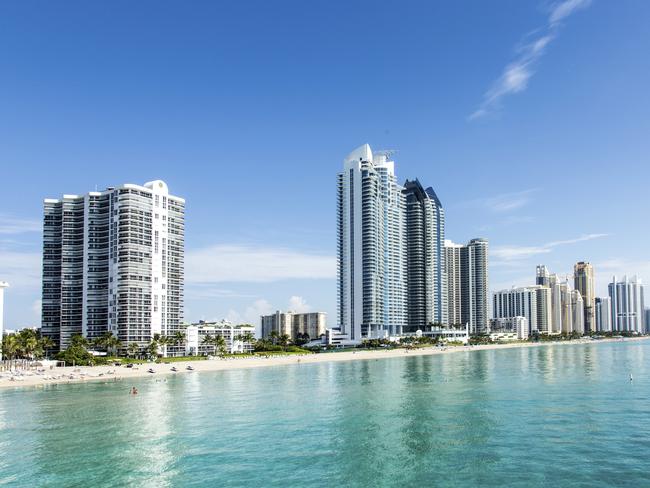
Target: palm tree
(10,346)
(132,349)
(208,340)
(248,337)
(179,338)
(45,343)
(220,345)
(152,349)
(284,340)
(274,336)
(112,344)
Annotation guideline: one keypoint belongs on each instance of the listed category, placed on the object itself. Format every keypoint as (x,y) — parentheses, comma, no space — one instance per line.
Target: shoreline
(83,374)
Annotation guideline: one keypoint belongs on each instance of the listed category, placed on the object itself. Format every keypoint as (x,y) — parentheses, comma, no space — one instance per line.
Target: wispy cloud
(11,225)
(233,263)
(508,254)
(517,74)
(505,202)
(22,270)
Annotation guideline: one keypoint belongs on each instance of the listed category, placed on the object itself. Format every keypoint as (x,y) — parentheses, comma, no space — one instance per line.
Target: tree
(179,338)
(248,337)
(77,352)
(152,349)
(284,340)
(132,349)
(274,336)
(10,346)
(220,345)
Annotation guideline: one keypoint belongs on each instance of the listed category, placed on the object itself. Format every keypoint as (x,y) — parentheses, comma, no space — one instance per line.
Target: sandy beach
(81,374)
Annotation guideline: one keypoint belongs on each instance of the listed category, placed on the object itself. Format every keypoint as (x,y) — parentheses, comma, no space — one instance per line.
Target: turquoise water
(549,416)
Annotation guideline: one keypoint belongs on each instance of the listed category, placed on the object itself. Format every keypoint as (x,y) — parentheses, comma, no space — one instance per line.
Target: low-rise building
(509,328)
(298,326)
(238,338)
(446,333)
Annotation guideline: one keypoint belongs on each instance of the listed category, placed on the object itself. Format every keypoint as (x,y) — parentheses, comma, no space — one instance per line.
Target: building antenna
(387,152)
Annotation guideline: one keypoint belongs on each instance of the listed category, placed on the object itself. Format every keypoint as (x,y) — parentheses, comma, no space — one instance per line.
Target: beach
(79,374)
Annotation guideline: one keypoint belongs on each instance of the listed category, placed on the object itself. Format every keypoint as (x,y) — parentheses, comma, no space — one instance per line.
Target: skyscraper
(583,276)
(3,285)
(113,262)
(628,309)
(467,284)
(577,312)
(603,314)
(426,278)
(372,253)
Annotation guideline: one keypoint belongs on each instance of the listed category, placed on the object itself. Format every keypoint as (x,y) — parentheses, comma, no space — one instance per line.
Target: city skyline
(508,173)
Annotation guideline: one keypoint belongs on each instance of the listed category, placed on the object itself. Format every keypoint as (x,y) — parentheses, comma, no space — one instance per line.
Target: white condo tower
(3,285)
(372,259)
(113,262)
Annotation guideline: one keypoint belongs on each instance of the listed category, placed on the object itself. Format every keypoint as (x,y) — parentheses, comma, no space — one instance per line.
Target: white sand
(111,373)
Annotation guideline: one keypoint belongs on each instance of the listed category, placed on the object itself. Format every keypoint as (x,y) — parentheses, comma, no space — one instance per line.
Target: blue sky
(530,120)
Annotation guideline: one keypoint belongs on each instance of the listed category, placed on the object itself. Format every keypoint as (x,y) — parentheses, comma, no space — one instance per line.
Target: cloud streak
(517,74)
(507,254)
(10,225)
(234,263)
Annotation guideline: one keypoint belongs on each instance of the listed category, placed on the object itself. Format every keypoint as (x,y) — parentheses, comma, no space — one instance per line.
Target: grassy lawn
(281,353)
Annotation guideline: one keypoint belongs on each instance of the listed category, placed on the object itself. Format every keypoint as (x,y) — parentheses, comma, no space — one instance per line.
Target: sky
(529,119)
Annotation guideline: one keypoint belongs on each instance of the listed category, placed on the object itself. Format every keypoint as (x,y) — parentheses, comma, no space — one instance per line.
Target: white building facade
(238,338)
(3,285)
(603,314)
(371,253)
(113,261)
(627,302)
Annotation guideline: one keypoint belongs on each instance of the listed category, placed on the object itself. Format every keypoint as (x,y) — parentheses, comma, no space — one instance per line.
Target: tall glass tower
(427,281)
(371,254)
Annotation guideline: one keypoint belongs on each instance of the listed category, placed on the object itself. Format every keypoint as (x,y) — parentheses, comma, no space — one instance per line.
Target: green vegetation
(77,353)
(25,344)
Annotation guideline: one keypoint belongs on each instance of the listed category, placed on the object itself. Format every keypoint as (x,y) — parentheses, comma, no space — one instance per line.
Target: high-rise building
(628,309)
(577,312)
(561,315)
(603,314)
(467,284)
(516,302)
(583,276)
(113,262)
(426,278)
(566,307)
(3,285)
(372,254)
(295,325)
(543,277)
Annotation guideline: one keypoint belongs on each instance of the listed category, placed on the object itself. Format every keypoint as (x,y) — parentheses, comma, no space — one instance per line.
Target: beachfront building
(628,309)
(303,326)
(372,247)
(509,328)
(516,302)
(466,267)
(446,333)
(577,313)
(113,262)
(199,338)
(426,278)
(3,285)
(603,314)
(583,276)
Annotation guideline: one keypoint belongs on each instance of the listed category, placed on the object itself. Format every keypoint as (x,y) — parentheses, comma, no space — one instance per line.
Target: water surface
(556,416)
